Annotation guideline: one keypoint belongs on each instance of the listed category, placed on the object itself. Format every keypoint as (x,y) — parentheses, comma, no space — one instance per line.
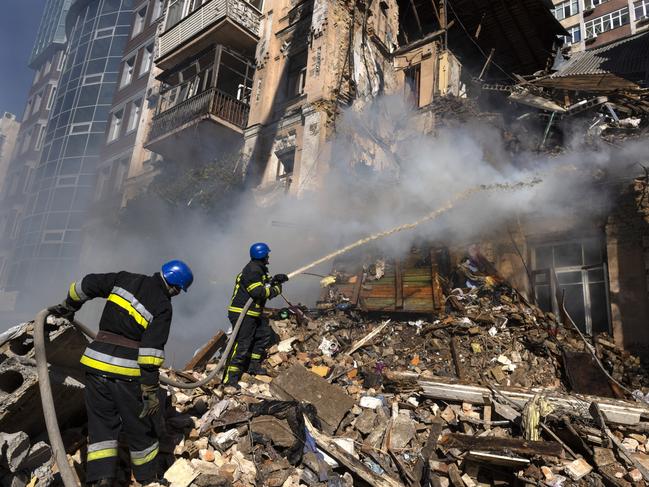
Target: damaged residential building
(268,80)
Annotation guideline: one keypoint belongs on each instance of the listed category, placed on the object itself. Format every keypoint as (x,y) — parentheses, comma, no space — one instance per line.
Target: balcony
(234,23)
(212,117)
(202,104)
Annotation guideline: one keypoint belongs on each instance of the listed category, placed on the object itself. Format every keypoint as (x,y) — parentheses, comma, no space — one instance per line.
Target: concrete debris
(385,407)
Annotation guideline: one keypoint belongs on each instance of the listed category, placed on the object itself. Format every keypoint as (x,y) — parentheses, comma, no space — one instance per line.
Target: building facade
(47,60)
(592,23)
(63,188)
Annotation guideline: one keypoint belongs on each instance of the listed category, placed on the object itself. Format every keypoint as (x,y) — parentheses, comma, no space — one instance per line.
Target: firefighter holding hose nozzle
(255,333)
(122,365)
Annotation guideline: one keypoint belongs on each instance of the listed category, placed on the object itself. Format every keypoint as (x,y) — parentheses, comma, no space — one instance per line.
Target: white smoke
(419,173)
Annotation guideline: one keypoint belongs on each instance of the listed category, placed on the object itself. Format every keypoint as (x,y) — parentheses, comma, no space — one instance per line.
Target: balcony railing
(210,102)
(238,11)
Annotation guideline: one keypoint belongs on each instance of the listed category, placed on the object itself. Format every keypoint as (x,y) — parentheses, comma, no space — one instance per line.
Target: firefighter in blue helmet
(255,333)
(122,363)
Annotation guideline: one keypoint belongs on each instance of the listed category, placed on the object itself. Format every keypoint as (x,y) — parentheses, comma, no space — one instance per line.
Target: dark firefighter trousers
(114,405)
(252,342)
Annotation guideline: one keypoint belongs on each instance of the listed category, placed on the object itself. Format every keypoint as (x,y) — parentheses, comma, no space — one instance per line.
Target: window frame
(609,18)
(139,22)
(644,6)
(115,125)
(127,77)
(132,122)
(571,6)
(147,59)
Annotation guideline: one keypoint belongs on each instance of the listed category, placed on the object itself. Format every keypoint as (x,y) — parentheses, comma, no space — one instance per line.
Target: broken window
(296,78)
(580,278)
(286,162)
(412,84)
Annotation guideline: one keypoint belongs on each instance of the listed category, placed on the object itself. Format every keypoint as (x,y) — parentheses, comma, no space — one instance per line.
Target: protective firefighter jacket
(138,308)
(253,282)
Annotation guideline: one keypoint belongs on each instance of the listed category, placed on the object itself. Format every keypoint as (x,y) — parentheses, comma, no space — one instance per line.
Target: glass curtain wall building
(64,183)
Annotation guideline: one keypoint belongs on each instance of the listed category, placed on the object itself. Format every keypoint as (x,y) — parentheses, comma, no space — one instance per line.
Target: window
(157,10)
(47,67)
(115,125)
(566,9)
(80,128)
(285,165)
(588,4)
(411,85)
(50,100)
(574,35)
(27,139)
(127,71)
(134,115)
(49,237)
(147,59)
(138,24)
(37,102)
(258,4)
(93,79)
(105,32)
(296,74)
(174,12)
(28,109)
(641,9)
(580,278)
(607,22)
(40,131)
(62,58)
(195,4)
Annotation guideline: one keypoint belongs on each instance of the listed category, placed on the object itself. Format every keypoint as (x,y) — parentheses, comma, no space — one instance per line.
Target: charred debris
(478,386)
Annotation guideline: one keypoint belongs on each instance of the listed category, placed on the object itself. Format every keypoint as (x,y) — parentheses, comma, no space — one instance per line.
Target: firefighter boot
(232,378)
(255,368)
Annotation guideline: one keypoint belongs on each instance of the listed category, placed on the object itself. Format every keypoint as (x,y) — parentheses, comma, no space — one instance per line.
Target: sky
(18,26)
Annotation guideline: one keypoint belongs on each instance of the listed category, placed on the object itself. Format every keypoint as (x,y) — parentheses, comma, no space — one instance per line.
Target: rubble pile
(493,391)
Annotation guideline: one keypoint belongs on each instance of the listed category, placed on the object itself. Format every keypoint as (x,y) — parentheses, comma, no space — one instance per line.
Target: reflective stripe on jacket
(253,282)
(138,308)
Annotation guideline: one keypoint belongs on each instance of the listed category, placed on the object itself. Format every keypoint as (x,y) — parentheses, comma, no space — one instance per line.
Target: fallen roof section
(621,65)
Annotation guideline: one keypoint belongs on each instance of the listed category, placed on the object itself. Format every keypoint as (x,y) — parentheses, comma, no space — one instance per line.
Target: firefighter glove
(280,278)
(150,400)
(63,310)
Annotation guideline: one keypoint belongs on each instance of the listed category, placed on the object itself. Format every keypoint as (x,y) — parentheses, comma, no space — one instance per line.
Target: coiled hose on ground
(45,387)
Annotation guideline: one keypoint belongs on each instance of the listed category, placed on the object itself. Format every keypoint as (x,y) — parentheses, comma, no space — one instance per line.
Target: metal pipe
(49,412)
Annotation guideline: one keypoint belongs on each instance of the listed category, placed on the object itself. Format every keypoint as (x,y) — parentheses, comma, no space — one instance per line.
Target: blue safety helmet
(259,250)
(178,274)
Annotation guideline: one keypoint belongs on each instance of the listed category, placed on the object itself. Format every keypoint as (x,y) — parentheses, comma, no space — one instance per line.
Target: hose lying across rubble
(67,474)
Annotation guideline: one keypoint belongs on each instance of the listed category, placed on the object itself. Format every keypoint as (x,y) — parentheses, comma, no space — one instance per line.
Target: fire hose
(45,387)
(49,412)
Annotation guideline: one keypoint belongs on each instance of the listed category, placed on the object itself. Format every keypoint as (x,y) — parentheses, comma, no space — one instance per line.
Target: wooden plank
(615,410)
(436,284)
(398,285)
(493,444)
(357,288)
(427,451)
(198,361)
(356,466)
(456,358)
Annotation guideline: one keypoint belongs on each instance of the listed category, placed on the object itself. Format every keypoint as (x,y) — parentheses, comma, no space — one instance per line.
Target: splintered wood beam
(479,28)
(327,444)
(203,356)
(501,445)
(398,285)
(487,63)
(615,410)
(414,9)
